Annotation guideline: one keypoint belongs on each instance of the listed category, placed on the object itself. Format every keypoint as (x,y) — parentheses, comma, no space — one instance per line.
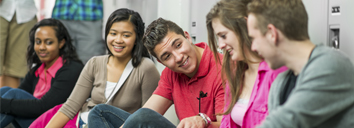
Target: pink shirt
(239,110)
(257,108)
(183,91)
(44,82)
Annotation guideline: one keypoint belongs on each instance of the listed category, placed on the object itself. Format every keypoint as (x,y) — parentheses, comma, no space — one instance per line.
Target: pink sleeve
(225,122)
(227,96)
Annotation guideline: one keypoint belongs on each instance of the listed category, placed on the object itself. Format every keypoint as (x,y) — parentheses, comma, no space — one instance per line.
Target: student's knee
(15,93)
(11,93)
(99,108)
(144,111)
(103,108)
(3,90)
(142,115)
(145,117)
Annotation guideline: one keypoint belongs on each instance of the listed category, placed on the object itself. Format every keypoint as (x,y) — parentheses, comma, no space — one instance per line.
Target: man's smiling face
(178,53)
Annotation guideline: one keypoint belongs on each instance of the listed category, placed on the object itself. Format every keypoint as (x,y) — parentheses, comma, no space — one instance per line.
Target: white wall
(199,10)
(320,20)
(347,28)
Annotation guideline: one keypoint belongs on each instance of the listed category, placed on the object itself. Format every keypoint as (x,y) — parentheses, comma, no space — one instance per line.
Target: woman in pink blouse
(247,76)
(54,70)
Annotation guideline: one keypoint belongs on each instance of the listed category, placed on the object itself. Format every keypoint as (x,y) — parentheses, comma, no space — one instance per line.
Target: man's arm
(58,121)
(158,103)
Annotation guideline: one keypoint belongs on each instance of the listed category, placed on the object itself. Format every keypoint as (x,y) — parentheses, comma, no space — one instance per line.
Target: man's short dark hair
(157,31)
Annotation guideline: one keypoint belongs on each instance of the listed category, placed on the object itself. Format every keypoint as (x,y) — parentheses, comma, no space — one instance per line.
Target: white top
(109,88)
(112,88)
(239,110)
(25,10)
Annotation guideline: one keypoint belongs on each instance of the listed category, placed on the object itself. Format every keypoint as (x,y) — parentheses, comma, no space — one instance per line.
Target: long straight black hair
(139,50)
(68,51)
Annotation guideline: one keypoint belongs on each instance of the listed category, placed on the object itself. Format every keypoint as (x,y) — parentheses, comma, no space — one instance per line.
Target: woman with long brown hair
(247,77)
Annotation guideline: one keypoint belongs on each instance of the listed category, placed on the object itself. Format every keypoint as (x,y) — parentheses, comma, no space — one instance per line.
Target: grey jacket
(323,96)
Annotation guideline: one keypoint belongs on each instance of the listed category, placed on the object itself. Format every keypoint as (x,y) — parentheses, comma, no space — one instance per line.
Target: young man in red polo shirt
(191,81)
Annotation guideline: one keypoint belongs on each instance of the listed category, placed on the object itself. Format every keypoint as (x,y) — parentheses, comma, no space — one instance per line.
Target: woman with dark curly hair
(54,70)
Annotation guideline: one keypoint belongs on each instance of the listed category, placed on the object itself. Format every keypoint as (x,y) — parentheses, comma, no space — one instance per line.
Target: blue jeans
(104,115)
(81,123)
(6,119)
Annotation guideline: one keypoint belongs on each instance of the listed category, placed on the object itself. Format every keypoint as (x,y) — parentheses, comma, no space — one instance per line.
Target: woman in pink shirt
(246,89)
(54,70)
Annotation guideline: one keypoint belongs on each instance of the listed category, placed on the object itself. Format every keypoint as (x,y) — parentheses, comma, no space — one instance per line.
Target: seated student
(49,82)
(124,79)
(247,88)
(190,81)
(318,88)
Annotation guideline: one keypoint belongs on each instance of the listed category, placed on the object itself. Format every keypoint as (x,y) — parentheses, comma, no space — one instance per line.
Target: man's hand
(192,122)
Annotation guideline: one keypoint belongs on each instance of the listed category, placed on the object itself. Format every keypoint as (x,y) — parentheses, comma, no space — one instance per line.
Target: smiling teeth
(185,62)
(229,50)
(117,47)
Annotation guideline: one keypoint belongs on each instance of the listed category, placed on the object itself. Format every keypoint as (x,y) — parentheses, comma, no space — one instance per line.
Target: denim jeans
(82,124)
(6,119)
(104,115)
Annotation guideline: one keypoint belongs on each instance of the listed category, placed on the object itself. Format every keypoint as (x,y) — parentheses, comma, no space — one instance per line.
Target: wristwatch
(205,118)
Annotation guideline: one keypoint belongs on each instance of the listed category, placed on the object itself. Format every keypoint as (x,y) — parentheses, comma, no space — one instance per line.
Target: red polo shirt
(183,91)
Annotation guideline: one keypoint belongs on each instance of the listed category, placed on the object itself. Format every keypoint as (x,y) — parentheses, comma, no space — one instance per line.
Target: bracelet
(205,118)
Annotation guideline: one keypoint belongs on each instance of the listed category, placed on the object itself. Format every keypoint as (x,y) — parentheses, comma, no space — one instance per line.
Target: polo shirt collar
(53,69)
(204,63)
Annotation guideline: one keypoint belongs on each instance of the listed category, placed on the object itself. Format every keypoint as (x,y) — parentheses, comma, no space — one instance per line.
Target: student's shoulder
(98,58)
(325,60)
(168,73)
(72,65)
(324,56)
(146,62)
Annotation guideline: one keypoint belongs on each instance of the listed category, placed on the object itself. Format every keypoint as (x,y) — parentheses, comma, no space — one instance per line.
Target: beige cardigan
(135,91)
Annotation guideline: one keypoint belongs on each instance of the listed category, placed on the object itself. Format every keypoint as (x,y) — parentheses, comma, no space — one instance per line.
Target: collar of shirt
(52,70)
(263,66)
